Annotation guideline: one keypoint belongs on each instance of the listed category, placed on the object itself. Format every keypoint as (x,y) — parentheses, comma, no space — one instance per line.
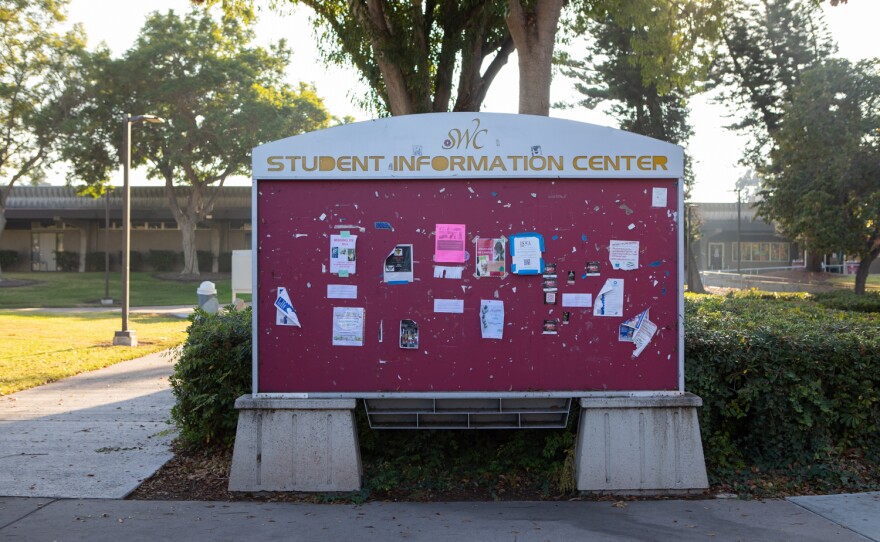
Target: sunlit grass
(37,348)
(87,289)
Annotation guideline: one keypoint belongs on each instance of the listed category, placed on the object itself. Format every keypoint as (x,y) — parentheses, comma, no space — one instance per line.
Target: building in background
(50,228)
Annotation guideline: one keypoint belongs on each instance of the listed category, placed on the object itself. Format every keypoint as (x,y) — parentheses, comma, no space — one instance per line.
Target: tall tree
(220,97)
(408,53)
(824,184)
(36,62)
(533,27)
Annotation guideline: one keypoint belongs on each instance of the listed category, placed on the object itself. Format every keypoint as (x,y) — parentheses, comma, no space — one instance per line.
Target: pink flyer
(449,243)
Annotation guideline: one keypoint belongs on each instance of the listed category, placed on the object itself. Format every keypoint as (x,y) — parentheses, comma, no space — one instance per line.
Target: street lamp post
(127,337)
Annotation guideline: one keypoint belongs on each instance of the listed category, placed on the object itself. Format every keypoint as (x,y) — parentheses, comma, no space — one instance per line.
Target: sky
(716,151)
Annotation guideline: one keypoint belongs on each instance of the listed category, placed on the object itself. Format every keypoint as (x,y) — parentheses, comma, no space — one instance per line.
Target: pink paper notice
(449,243)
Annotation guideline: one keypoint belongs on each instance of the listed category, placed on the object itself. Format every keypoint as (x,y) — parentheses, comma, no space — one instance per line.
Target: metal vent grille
(464,413)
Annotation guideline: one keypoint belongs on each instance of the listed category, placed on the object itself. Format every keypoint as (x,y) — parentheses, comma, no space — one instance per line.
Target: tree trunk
(863,271)
(190,258)
(813,262)
(694,281)
(2,227)
(534,34)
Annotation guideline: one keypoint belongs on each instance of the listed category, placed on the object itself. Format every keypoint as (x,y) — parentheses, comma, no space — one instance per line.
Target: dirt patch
(177,277)
(10,283)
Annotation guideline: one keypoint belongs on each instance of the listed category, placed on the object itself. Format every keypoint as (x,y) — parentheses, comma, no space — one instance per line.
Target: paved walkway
(94,435)
(69,452)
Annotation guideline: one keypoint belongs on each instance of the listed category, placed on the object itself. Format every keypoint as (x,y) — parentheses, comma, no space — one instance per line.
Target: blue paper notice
(383,226)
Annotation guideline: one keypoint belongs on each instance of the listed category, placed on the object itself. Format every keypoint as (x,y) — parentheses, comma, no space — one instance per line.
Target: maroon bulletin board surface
(577,218)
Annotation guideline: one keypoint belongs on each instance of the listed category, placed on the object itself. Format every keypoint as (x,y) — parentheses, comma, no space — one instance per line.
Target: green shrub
(214,369)
(95,261)
(785,382)
(224,262)
(847,300)
(164,260)
(206,260)
(8,259)
(137,261)
(66,260)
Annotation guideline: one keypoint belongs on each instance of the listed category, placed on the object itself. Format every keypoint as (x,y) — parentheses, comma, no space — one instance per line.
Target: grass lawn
(87,289)
(37,348)
(849,281)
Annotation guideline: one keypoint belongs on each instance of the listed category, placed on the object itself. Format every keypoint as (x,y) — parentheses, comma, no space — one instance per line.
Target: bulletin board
(356,297)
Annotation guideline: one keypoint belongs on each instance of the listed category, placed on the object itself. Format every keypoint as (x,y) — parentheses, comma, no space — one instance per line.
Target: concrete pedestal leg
(640,445)
(295,445)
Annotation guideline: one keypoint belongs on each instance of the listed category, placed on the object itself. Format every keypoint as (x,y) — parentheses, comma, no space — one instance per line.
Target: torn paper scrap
(342,254)
(577,300)
(348,326)
(453,306)
(609,301)
(624,255)
(342,291)
(449,244)
(399,265)
(638,330)
(285,314)
(491,319)
(447,272)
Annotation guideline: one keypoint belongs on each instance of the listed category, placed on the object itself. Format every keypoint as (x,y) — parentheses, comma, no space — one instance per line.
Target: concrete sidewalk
(91,439)
(94,435)
(113,520)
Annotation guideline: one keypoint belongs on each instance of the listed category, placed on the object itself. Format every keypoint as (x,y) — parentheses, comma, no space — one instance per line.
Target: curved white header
(472,145)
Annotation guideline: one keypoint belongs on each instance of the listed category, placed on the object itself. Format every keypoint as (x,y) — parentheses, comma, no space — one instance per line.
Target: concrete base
(640,445)
(125,338)
(295,445)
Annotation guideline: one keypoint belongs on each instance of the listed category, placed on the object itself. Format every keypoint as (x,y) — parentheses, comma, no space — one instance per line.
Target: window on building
(763,252)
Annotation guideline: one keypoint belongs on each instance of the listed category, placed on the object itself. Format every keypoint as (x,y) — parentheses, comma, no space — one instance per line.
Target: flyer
(348,326)
(638,330)
(409,334)
(285,314)
(491,319)
(490,257)
(342,254)
(399,265)
(449,244)
(526,249)
(624,255)
(609,301)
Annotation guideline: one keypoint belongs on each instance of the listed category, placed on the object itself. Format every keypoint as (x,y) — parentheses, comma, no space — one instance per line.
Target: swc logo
(470,138)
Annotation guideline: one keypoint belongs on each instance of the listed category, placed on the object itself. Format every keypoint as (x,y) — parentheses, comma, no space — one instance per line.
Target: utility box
(468,270)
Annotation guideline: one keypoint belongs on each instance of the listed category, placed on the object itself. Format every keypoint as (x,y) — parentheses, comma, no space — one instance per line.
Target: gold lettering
(596,163)
(660,161)
(474,164)
(576,163)
(358,163)
(455,162)
(515,160)
(326,163)
(275,163)
(440,163)
(497,163)
(555,162)
(537,163)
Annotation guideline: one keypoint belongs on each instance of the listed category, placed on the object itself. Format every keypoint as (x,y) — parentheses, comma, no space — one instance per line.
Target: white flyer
(285,314)
(491,319)
(348,326)
(624,255)
(343,259)
(453,306)
(342,291)
(526,255)
(658,197)
(638,330)
(609,301)
(577,300)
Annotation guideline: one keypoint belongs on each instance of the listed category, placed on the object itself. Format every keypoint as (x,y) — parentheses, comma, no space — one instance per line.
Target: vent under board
(468,413)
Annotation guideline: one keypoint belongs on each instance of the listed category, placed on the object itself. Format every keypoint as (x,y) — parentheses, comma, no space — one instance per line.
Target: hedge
(785,381)
(213,370)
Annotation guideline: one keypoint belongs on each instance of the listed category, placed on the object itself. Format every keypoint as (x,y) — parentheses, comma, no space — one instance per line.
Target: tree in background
(824,180)
(36,63)
(219,96)
(647,92)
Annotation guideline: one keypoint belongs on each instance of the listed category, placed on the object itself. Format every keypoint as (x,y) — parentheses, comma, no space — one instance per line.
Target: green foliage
(224,262)
(164,260)
(785,383)
(95,261)
(213,370)
(66,260)
(8,258)
(849,301)
(206,260)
